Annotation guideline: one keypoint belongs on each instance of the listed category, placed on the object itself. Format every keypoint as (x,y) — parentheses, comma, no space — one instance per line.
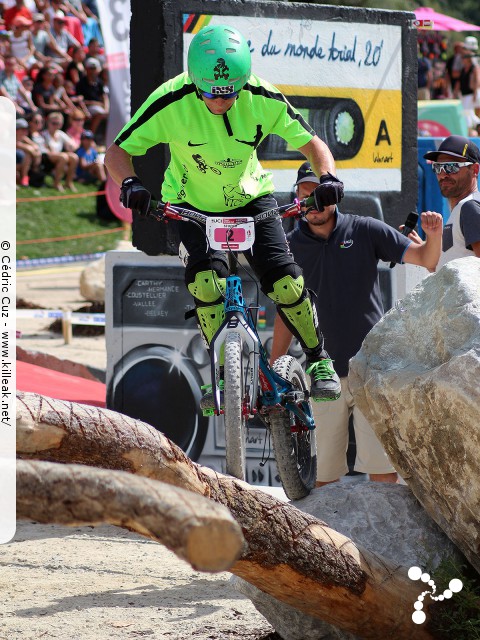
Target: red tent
(61,386)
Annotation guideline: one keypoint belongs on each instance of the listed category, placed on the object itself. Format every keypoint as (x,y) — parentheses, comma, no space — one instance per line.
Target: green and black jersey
(214,165)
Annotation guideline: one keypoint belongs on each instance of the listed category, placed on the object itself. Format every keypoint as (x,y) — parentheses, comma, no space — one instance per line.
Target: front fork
(236,321)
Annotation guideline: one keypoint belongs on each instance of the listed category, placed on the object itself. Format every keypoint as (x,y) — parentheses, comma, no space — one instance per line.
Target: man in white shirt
(456,164)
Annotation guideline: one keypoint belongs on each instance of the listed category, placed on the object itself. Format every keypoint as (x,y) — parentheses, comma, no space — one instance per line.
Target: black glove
(329,191)
(133,195)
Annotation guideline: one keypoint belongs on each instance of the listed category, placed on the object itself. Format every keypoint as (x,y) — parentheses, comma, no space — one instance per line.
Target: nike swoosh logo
(193,144)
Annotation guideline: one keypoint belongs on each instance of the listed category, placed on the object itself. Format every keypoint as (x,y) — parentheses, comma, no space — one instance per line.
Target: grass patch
(457,618)
(60,218)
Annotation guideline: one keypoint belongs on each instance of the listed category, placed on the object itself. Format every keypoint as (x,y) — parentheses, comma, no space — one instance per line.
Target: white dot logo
(415,573)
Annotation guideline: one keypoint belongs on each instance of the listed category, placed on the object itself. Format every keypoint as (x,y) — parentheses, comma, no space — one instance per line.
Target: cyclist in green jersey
(213,117)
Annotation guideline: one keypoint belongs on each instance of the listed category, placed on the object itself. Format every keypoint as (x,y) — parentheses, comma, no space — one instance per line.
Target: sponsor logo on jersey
(229,163)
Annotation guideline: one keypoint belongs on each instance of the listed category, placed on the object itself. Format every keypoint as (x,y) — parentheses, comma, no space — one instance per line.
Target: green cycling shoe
(325,382)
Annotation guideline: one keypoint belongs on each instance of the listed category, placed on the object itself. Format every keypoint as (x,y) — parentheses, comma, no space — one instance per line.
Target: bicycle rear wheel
(294,444)
(235,422)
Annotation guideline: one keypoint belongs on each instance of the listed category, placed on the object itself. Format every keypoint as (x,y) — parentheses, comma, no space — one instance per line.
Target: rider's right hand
(133,195)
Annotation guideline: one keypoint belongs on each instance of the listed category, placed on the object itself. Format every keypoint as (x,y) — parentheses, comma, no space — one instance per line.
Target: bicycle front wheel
(294,444)
(234,393)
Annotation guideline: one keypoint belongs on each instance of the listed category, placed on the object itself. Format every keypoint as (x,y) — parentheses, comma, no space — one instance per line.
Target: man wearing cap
(40,38)
(60,40)
(94,93)
(456,164)
(339,255)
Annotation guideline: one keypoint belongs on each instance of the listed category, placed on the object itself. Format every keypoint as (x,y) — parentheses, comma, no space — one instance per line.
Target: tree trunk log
(290,555)
(195,529)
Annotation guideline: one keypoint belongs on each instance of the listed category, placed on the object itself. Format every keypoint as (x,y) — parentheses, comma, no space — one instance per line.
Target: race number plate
(237,234)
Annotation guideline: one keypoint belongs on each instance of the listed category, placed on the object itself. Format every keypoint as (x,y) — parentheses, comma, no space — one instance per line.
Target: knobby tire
(295,451)
(235,422)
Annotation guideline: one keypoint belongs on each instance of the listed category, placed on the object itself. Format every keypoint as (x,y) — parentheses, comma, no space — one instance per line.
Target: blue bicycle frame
(276,391)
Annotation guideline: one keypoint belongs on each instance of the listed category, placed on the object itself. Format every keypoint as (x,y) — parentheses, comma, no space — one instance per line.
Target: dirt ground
(104,583)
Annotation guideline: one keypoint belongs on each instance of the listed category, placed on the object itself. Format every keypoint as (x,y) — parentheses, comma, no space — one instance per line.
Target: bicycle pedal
(208,412)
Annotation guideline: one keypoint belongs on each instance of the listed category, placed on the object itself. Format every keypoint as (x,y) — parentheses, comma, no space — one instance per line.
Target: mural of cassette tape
(345,78)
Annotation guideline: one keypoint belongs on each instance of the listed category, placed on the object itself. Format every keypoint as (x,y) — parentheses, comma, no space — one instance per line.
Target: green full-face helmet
(219,60)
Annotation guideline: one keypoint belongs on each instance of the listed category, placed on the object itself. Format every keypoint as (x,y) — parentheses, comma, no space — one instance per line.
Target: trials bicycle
(277,394)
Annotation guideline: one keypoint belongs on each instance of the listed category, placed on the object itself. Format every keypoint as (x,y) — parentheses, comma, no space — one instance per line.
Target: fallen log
(197,530)
(289,554)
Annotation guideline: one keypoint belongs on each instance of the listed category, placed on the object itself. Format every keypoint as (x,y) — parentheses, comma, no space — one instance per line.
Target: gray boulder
(385,519)
(92,278)
(417,380)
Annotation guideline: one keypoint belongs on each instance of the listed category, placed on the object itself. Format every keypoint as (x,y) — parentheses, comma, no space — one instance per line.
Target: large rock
(92,278)
(384,518)
(417,380)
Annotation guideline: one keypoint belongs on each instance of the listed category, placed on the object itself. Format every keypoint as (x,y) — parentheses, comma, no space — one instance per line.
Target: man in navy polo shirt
(339,255)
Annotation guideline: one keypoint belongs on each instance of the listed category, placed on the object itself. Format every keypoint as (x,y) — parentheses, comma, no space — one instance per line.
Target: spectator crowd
(455,74)
(53,68)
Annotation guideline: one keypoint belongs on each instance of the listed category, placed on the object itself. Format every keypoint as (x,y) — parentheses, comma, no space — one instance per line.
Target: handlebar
(164,211)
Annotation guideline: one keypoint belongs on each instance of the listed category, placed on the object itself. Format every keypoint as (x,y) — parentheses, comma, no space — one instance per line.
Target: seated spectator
(89,169)
(94,50)
(43,90)
(71,9)
(90,8)
(5,47)
(75,69)
(94,93)
(35,128)
(77,127)
(18,9)
(40,38)
(11,87)
(60,151)
(30,156)
(21,44)
(61,97)
(60,41)
(77,100)
(91,29)
(27,101)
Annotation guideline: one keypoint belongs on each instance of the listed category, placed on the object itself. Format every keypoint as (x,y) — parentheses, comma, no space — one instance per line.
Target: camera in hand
(410,224)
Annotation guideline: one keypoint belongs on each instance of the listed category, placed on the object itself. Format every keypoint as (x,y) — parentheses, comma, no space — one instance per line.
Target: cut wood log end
(214,547)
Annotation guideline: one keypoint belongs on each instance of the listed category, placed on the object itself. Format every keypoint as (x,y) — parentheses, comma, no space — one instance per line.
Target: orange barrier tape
(67,197)
(80,235)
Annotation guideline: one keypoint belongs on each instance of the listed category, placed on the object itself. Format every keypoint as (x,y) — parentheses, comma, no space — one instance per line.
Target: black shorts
(270,250)
(47,165)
